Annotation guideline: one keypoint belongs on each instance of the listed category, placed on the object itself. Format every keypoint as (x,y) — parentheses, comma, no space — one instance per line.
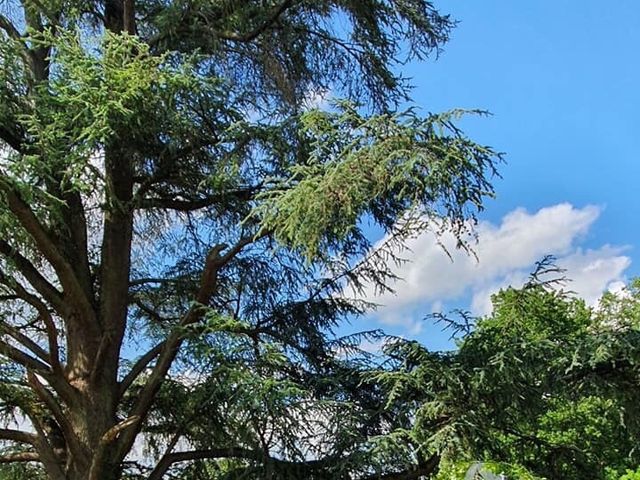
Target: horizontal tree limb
(233,452)
(17,436)
(20,457)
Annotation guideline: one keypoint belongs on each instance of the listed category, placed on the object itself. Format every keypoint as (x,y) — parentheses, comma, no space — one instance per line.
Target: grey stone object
(478,472)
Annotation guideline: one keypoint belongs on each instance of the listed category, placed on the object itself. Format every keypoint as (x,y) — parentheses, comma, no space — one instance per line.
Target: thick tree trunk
(95,354)
(85,450)
(78,450)
(94,347)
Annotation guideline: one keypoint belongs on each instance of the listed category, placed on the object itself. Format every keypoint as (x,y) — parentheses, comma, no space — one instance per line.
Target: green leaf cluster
(381,166)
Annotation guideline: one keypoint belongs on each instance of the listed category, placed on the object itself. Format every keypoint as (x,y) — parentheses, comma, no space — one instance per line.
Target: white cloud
(506,253)
(319,98)
(595,271)
(373,346)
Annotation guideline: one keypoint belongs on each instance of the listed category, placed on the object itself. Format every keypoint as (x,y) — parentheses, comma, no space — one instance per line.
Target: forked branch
(49,249)
(216,260)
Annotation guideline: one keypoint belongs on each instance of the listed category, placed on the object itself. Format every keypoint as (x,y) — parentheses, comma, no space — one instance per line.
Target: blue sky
(562,80)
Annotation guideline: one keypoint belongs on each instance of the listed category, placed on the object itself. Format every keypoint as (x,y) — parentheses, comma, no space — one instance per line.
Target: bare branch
(214,262)
(22,358)
(143,281)
(139,367)
(11,138)
(253,34)
(178,205)
(239,246)
(47,455)
(111,434)
(193,204)
(115,253)
(47,246)
(151,312)
(17,436)
(56,410)
(7,26)
(25,341)
(52,356)
(302,468)
(171,458)
(33,365)
(20,457)
(33,276)
(129,16)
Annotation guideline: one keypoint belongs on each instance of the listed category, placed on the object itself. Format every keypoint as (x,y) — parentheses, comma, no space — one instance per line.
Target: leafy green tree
(631,475)
(544,385)
(177,226)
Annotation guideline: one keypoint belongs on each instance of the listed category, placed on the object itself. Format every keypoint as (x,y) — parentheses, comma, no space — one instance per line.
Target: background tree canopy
(177,227)
(544,387)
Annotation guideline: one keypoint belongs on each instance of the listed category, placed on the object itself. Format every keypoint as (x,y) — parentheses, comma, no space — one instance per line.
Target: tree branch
(129,16)
(168,162)
(48,248)
(57,412)
(22,358)
(50,293)
(151,312)
(51,357)
(17,436)
(25,341)
(116,259)
(74,244)
(11,138)
(193,204)
(47,455)
(253,34)
(7,26)
(109,436)
(277,12)
(139,367)
(145,280)
(165,463)
(214,262)
(235,452)
(50,326)
(33,365)
(20,457)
